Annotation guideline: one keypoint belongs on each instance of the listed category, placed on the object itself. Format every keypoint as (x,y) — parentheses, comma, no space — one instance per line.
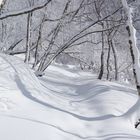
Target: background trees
(88,33)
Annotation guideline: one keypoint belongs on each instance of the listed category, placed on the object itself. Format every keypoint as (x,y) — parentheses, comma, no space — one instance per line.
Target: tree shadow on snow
(27,94)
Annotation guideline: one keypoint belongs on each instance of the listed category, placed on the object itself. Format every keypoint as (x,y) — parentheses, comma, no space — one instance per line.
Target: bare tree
(28,37)
(54,36)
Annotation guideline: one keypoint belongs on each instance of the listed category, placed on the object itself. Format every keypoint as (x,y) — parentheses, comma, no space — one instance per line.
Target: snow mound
(66,104)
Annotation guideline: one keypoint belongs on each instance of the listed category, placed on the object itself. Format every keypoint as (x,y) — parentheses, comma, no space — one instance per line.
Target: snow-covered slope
(66,104)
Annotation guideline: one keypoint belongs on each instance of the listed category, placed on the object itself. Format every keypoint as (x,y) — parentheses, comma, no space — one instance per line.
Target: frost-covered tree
(133,45)
(134,113)
(90,34)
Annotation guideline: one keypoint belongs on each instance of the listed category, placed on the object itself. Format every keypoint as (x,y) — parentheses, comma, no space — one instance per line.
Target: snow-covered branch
(24,11)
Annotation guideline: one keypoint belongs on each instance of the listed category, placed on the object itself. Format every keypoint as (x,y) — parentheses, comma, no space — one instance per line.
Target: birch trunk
(133,114)
(133,46)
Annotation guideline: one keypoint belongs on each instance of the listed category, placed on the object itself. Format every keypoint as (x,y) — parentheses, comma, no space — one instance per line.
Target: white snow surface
(66,104)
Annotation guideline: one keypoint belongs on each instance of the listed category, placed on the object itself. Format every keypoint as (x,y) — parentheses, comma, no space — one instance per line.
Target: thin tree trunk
(102,59)
(38,43)
(115,59)
(28,37)
(108,59)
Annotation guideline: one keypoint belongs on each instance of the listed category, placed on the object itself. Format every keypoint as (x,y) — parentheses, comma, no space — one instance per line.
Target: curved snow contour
(30,87)
(99,103)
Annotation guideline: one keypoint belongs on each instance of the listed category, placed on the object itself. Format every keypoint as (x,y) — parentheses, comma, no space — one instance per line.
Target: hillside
(66,104)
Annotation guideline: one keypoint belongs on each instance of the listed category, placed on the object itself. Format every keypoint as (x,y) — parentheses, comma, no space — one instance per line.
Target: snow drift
(66,104)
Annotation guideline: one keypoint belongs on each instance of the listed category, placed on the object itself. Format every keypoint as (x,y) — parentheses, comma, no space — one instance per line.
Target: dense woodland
(91,34)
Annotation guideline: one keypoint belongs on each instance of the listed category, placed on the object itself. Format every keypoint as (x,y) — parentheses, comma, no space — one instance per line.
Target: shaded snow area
(66,104)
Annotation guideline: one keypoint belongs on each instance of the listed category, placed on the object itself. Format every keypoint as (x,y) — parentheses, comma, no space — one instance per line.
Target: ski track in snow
(66,104)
